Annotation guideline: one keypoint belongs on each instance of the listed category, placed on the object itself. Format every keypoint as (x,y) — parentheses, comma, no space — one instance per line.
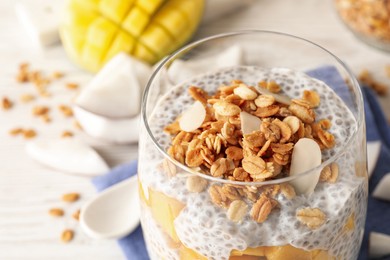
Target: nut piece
(72,86)
(66,133)
(311,217)
(304,113)
(7,104)
(65,110)
(16,131)
(293,123)
(40,110)
(29,133)
(196,184)
(264,100)
(224,108)
(76,215)
(312,97)
(25,98)
(244,92)
(71,197)
(67,235)
(237,210)
(56,212)
(330,173)
(262,208)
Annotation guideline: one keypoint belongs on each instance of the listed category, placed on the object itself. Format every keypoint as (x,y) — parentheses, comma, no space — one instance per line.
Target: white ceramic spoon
(114,213)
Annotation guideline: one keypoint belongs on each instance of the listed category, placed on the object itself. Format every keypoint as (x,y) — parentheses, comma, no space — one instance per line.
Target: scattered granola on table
(218,147)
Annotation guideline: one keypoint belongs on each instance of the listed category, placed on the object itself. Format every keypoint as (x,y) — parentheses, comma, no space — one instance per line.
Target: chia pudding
(194,210)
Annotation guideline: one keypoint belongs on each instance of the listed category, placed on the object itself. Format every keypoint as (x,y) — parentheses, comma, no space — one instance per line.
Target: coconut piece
(378,245)
(124,130)
(67,155)
(180,70)
(382,190)
(116,90)
(249,123)
(278,97)
(373,150)
(193,118)
(306,155)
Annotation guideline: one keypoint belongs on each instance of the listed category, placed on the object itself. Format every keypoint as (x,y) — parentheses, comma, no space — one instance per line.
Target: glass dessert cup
(212,205)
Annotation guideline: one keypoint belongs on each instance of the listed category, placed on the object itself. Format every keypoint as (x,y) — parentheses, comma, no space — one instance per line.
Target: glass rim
(355,85)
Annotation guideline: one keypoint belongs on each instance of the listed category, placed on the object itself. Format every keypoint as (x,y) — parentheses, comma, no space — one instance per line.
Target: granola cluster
(367,17)
(223,147)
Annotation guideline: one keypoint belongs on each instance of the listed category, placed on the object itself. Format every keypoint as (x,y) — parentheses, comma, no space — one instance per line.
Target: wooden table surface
(28,190)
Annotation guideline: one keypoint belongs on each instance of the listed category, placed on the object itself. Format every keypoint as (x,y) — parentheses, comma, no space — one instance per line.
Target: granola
(222,148)
(311,217)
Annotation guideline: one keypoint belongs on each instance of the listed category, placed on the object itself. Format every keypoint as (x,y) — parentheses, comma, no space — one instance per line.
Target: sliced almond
(382,190)
(278,97)
(378,245)
(193,118)
(249,123)
(306,155)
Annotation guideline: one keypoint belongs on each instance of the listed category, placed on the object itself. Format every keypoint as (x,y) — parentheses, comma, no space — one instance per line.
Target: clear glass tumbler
(252,146)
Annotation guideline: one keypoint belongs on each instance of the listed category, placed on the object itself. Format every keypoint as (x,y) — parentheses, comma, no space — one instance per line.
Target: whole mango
(93,31)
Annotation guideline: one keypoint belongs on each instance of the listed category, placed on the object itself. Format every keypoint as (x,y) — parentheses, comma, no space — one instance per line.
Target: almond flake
(249,123)
(7,104)
(278,97)
(193,118)
(306,155)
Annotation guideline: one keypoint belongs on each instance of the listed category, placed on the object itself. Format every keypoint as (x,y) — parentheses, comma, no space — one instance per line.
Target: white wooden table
(28,190)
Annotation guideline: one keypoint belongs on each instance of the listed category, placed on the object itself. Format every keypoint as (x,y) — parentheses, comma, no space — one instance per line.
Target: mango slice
(93,31)
(164,210)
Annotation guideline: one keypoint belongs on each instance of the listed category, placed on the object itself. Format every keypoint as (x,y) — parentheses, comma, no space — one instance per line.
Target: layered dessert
(220,169)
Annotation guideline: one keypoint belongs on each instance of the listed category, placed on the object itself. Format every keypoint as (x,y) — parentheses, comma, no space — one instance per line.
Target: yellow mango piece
(321,255)
(141,193)
(174,21)
(287,252)
(91,57)
(77,17)
(74,37)
(191,9)
(155,28)
(246,257)
(350,223)
(164,210)
(256,251)
(143,53)
(150,6)
(115,9)
(136,21)
(88,5)
(123,42)
(156,38)
(101,33)
(189,254)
